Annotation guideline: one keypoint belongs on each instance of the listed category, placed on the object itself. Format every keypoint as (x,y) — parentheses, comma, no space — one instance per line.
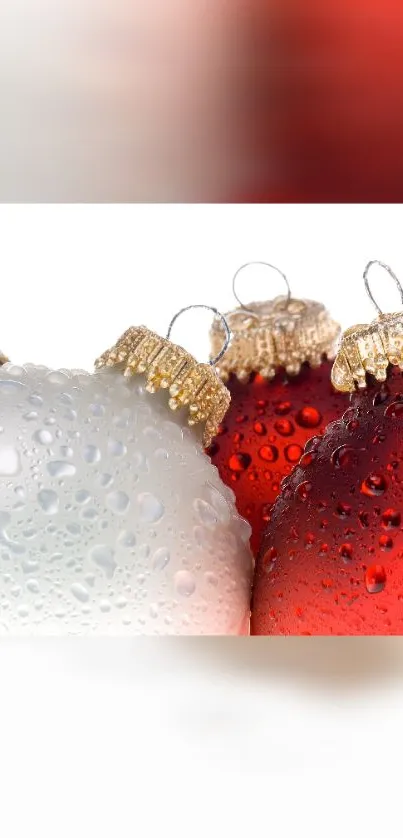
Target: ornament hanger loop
(390,272)
(218,314)
(267,265)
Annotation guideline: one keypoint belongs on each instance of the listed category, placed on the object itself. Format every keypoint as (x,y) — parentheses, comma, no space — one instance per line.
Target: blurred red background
(325,99)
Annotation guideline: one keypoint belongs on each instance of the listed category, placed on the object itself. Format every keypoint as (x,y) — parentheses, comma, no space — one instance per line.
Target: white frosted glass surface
(112,518)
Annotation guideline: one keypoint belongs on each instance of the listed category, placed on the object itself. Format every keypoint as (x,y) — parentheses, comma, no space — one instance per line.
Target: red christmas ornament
(331,560)
(276,407)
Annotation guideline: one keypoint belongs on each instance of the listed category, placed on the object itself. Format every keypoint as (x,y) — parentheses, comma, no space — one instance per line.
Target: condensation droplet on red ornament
(268,453)
(308,417)
(375,578)
(343,510)
(309,539)
(346,552)
(391,519)
(284,427)
(386,543)
(307,459)
(241,418)
(343,457)
(239,462)
(363,518)
(374,485)
(266,512)
(213,449)
(237,437)
(270,558)
(303,490)
(259,428)
(282,408)
(293,453)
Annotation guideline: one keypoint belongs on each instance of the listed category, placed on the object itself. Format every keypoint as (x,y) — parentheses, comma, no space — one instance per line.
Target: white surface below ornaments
(112,518)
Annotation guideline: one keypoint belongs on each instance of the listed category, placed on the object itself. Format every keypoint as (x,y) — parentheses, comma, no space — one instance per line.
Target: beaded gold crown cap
(283,332)
(167,366)
(369,348)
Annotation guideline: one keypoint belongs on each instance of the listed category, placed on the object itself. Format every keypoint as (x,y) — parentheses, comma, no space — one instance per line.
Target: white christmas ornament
(112,518)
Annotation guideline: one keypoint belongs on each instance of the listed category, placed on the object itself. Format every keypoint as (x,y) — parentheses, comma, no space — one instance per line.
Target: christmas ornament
(279,378)
(113,519)
(331,557)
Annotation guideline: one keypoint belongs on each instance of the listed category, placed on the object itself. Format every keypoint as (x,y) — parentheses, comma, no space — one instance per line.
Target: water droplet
(60,468)
(391,519)
(103,556)
(374,485)
(117,502)
(363,518)
(43,436)
(303,490)
(237,437)
(309,539)
(106,480)
(116,448)
(282,408)
(185,583)
(33,586)
(269,559)
(269,453)
(161,558)
(346,552)
(23,611)
(259,428)
(205,512)
(91,454)
(344,457)
(48,501)
(150,507)
(10,463)
(126,539)
(104,606)
(239,462)
(82,497)
(284,427)
(308,417)
(375,578)
(80,592)
(212,450)
(386,543)
(293,453)
(343,510)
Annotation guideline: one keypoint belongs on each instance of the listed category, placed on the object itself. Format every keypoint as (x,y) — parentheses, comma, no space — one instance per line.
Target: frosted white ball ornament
(112,518)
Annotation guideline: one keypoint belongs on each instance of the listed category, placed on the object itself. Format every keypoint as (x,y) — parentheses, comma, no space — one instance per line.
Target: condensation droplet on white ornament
(150,507)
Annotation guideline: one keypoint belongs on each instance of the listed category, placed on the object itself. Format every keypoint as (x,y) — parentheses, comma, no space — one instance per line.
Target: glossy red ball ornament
(331,560)
(265,431)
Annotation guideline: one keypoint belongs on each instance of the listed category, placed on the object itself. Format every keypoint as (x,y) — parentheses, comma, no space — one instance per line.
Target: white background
(276,737)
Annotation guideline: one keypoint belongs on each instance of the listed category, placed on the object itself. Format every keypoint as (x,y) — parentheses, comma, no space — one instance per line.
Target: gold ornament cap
(167,366)
(3,358)
(283,332)
(369,348)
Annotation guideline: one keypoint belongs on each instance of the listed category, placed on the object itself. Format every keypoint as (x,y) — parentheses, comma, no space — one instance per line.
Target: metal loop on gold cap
(390,272)
(267,265)
(217,358)
(370,348)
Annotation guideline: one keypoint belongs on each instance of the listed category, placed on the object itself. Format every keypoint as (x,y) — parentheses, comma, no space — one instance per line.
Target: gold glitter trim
(279,333)
(369,349)
(169,367)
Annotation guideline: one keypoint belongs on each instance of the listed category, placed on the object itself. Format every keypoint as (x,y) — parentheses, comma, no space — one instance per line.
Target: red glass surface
(332,555)
(264,433)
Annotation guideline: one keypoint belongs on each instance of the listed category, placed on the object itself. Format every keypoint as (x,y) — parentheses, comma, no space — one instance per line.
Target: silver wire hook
(390,272)
(218,357)
(267,265)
